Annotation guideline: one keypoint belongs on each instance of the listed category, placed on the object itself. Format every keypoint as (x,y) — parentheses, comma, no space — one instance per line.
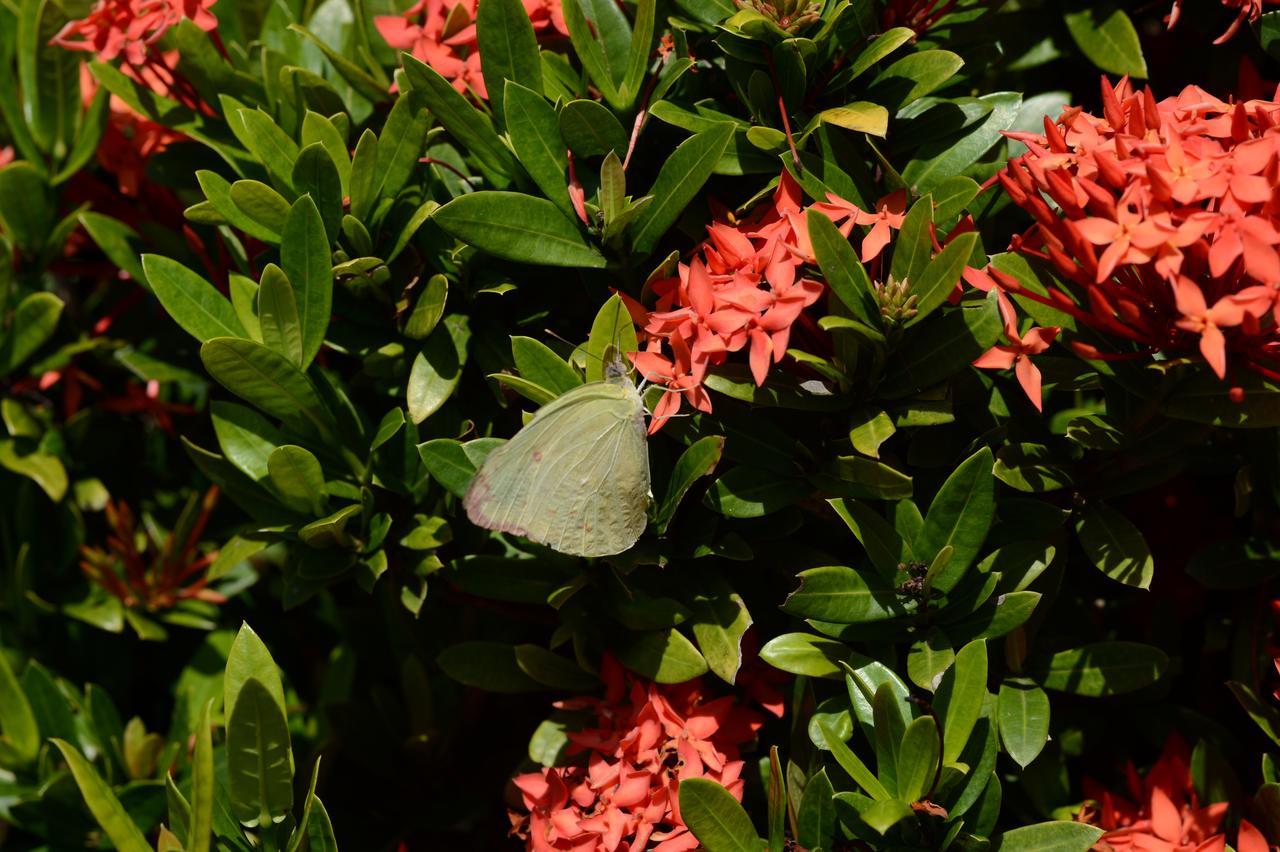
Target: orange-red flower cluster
(442,33)
(743,289)
(1160,813)
(1164,221)
(646,740)
(130,28)
(1246,10)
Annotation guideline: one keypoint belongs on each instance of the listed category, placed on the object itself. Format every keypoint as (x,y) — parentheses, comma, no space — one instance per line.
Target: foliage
(950,373)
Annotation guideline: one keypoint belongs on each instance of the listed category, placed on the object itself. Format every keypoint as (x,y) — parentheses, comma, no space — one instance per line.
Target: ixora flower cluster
(1165,220)
(646,740)
(743,289)
(1160,812)
(442,34)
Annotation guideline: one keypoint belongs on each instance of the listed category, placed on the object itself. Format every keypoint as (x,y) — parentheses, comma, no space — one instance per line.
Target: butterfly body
(576,477)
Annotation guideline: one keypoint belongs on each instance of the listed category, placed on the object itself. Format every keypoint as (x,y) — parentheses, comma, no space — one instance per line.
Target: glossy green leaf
(806,654)
(816,815)
(463,121)
(1100,669)
(518,227)
(437,368)
(853,765)
(115,821)
(491,666)
(718,620)
(510,49)
(535,135)
(32,324)
(943,159)
(307,262)
(960,697)
(259,761)
(959,517)
(682,175)
(538,363)
(315,175)
(278,321)
(296,476)
(714,816)
(938,281)
(663,656)
(613,335)
(26,206)
(199,836)
(1106,35)
(845,274)
(1059,836)
(918,758)
(842,595)
(268,380)
(1024,720)
(262,205)
(1115,546)
(912,77)
(698,460)
(19,732)
(192,301)
(249,658)
(748,492)
(591,130)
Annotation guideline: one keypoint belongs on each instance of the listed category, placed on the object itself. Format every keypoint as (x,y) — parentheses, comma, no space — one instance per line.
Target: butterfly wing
(575,478)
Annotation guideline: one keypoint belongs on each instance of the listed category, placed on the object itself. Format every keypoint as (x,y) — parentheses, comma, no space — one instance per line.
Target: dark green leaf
(518,227)
(714,815)
(1100,669)
(1115,545)
(682,176)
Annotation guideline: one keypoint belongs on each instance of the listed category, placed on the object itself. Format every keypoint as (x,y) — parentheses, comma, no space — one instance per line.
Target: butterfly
(576,477)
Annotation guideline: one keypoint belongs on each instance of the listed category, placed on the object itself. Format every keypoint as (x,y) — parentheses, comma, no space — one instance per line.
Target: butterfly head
(616,367)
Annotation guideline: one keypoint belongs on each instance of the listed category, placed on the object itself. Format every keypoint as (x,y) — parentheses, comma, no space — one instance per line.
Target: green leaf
(914,246)
(259,761)
(262,205)
(19,732)
(1115,545)
(316,129)
(535,136)
(698,460)
(33,323)
(506,40)
(491,666)
(591,130)
(806,654)
(296,476)
(1267,717)
(115,821)
(1058,836)
(320,836)
(200,833)
(26,206)
(853,765)
(878,48)
(613,336)
(940,160)
(364,176)
(886,813)
(682,175)
(816,816)
(638,55)
(714,815)
(314,174)
(194,304)
(938,281)
(249,658)
(842,595)
(912,77)
(1107,37)
(400,145)
(538,363)
(663,656)
(930,658)
(749,492)
(437,368)
(117,241)
(960,697)
(271,382)
(917,758)
(1100,669)
(845,274)
(590,52)
(518,227)
(307,262)
(553,670)
(959,517)
(278,321)
(45,469)
(719,619)
(1023,713)
(463,121)
(883,544)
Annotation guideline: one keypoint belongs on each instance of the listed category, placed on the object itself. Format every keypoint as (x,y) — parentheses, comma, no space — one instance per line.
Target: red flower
(1165,226)
(1162,814)
(442,33)
(130,28)
(1249,10)
(645,740)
